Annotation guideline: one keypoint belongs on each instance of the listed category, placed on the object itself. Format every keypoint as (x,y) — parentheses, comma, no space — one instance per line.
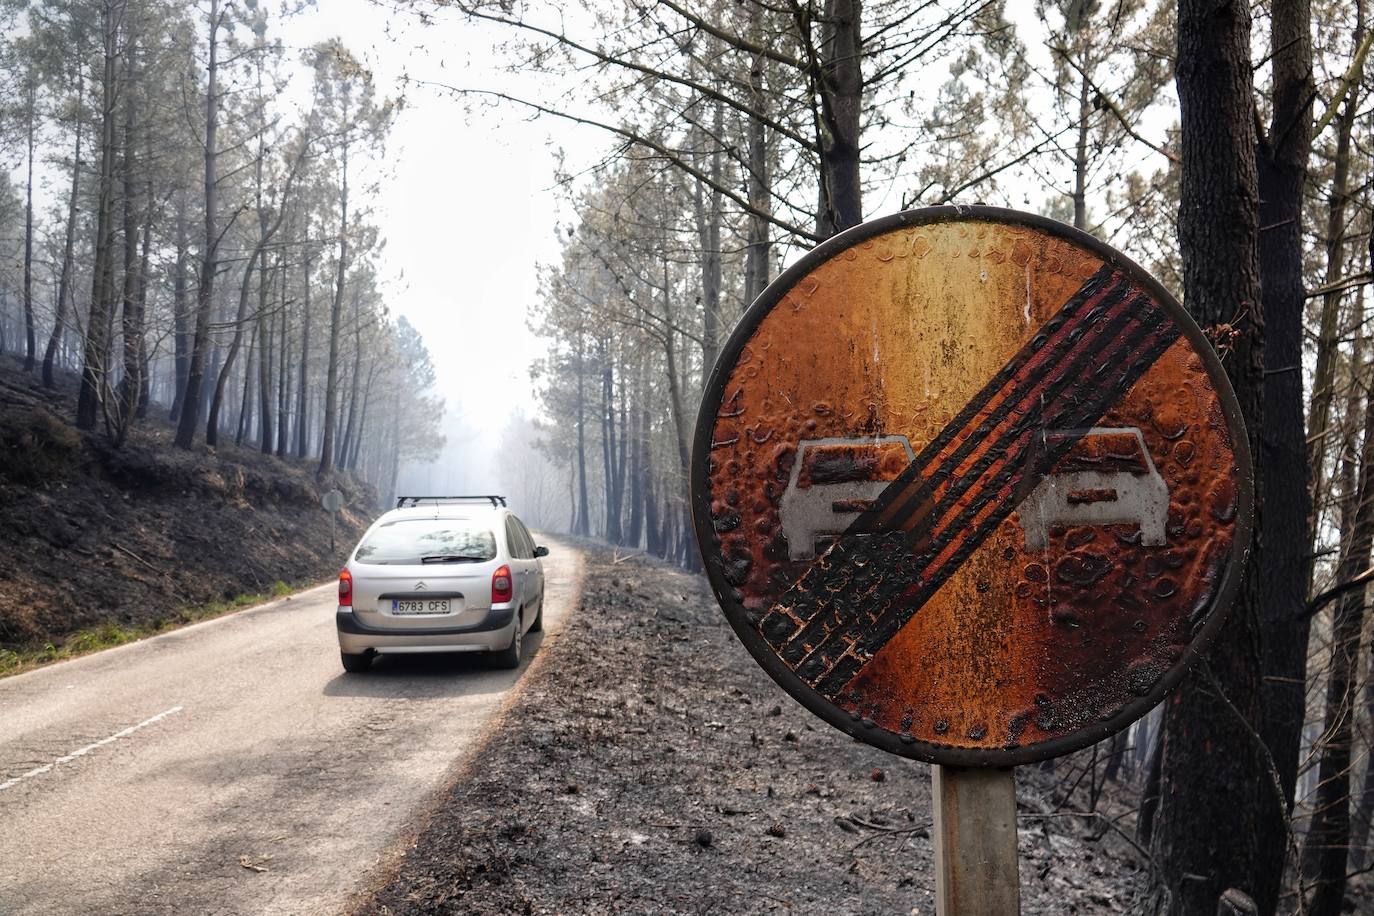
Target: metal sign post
(972,487)
(332,501)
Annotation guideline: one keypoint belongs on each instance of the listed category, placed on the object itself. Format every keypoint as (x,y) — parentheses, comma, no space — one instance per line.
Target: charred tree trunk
(639,436)
(757,267)
(141,288)
(132,382)
(1080,154)
(331,383)
(265,344)
(30,341)
(707,208)
(1208,832)
(181,342)
(212,424)
(581,516)
(350,425)
(195,371)
(65,276)
(95,362)
(246,402)
(303,395)
(841,91)
(1282,165)
(283,359)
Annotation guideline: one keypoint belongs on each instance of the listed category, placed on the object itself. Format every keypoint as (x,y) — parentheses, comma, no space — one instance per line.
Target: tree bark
(1206,838)
(246,401)
(581,516)
(331,394)
(265,344)
(757,267)
(1080,155)
(212,422)
(841,91)
(283,359)
(30,343)
(95,361)
(132,382)
(195,370)
(708,218)
(303,396)
(1282,170)
(65,277)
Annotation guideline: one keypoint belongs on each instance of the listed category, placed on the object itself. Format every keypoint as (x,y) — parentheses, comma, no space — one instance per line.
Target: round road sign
(332,501)
(971,486)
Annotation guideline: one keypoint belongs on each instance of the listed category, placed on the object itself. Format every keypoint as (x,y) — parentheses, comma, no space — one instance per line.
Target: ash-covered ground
(649,766)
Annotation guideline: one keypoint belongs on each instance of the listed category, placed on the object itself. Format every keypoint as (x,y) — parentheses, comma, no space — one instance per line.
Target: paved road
(231,767)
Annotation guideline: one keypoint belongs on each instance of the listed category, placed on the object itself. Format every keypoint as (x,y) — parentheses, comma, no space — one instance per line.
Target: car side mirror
(541,551)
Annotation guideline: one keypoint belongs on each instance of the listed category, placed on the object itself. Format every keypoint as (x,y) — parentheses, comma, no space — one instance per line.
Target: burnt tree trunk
(581,516)
(95,361)
(30,341)
(132,315)
(303,395)
(1282,168)
(65,276)
(265,345)
(283,363)
(212,423)
(757,267)
(331,382)
(841,91)
(1207,832)
(195,370)
(707,209)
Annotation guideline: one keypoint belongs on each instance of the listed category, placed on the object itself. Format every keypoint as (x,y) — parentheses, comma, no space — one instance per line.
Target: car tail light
(501,588)
(345,589)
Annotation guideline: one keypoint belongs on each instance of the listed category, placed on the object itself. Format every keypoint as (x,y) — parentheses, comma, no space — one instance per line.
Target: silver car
(441,574)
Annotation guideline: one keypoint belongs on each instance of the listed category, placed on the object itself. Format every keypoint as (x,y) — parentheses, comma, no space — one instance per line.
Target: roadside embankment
(101,544)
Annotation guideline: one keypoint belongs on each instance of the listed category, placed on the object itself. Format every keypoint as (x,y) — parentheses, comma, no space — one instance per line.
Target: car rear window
(412,540)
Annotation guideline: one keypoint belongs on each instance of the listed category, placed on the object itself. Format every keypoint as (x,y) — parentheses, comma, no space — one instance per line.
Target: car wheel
(538,625)
(509,657)
(355,663)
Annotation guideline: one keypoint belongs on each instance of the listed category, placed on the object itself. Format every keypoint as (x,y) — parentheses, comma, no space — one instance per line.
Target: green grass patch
(109,635)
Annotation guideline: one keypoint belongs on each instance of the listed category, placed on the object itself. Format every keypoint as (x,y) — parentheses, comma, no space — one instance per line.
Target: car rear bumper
(491,633)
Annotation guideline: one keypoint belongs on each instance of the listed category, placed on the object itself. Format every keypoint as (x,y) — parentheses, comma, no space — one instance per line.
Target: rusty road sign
(971,486)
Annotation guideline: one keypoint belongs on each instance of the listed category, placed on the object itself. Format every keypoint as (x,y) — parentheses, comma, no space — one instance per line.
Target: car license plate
(420,606)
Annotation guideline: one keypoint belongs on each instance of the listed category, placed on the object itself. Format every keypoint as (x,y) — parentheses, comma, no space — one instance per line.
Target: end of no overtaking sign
(971,486)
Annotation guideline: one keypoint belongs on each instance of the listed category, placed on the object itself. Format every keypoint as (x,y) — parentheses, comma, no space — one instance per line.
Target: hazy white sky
(467,208)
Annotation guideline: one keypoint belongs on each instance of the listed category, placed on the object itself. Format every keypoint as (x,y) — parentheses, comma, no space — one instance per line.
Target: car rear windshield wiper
(449,558)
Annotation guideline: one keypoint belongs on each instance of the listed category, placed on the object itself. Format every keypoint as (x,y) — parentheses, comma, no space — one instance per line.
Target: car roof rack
(403,502)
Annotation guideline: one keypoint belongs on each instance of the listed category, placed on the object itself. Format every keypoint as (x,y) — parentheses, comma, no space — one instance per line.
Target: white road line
(39,771)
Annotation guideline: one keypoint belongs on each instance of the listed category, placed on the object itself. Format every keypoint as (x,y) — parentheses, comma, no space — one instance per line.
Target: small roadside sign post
(973,488)
(332,502)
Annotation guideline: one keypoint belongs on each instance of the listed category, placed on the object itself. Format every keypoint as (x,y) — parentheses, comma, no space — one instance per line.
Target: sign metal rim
(914,748)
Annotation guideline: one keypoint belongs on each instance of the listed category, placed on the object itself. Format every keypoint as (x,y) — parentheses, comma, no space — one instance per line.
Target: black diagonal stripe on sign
(856,647)
(1051,369)
(866,587)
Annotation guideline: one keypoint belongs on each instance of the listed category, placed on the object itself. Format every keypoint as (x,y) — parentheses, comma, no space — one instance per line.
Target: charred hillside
(142,535)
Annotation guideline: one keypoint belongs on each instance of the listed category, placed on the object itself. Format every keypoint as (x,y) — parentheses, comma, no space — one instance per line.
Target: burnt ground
(93,535)
(649,766)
